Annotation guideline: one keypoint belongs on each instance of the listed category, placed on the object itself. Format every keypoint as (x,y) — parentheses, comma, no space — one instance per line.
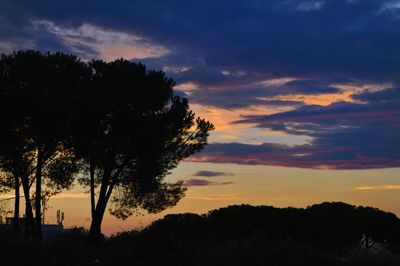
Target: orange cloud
(381,187)
(346,91)
(71,196)
(315,99)
(228,131)
(223,118)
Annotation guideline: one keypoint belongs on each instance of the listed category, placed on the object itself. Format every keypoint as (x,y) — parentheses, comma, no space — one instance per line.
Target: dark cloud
(318,41)
(333,38)
(380,107)
(211,173)
(256,92)
(390,96)
(237,89)
(84,51)
(301,156)
(344,136)
(50,42)
(202,182)
(310,86)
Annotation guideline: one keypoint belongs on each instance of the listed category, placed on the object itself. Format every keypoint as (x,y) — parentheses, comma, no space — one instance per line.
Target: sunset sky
(304,94)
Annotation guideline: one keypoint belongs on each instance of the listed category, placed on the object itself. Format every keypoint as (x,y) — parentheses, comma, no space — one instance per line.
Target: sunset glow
(304,95)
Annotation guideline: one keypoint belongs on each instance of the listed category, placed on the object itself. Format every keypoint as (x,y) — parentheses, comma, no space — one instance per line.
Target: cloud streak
(211,173)
(194,182)
(381,187)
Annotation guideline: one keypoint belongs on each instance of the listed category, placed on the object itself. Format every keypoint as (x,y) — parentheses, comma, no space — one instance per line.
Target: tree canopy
(133,132)
(36,93)
(118,123)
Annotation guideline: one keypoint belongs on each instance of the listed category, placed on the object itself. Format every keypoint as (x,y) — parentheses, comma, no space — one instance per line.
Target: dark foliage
(37,93)
(119,123)
(324,234)
(130,130)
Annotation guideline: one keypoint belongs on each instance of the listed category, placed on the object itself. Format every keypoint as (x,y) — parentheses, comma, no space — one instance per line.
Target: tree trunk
(104,195)
(16,227)
(29,222)
(92,194)
(38,196)
(97,219)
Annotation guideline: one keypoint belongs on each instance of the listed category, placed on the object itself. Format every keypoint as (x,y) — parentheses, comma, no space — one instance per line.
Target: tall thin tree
(37,96)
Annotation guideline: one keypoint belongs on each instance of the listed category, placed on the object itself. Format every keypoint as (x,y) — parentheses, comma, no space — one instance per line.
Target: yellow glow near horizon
(255,185)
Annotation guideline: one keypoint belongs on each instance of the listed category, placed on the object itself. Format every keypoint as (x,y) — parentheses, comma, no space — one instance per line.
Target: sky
(304,94)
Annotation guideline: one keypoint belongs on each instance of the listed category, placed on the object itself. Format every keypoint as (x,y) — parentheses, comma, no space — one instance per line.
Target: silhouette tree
(16,153)
(130,131)
(7,183)
(122,122)
(37,96)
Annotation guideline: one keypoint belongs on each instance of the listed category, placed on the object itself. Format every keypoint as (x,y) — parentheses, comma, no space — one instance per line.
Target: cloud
(276,38)
(247,92)
(71,196)
(218,197)
(301,156)
(294,56)
(202,182)
(211,173)
(381,187)
(344,136)
(90,41)
(381,107)
(231,51)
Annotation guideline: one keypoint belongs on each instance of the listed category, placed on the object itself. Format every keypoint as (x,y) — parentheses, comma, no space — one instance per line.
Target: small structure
(20,221)
(60,217)
(3,215)
(49,231)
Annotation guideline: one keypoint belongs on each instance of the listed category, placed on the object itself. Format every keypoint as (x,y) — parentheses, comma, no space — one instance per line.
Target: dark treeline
(332,226)
(116,124)
(325,234)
